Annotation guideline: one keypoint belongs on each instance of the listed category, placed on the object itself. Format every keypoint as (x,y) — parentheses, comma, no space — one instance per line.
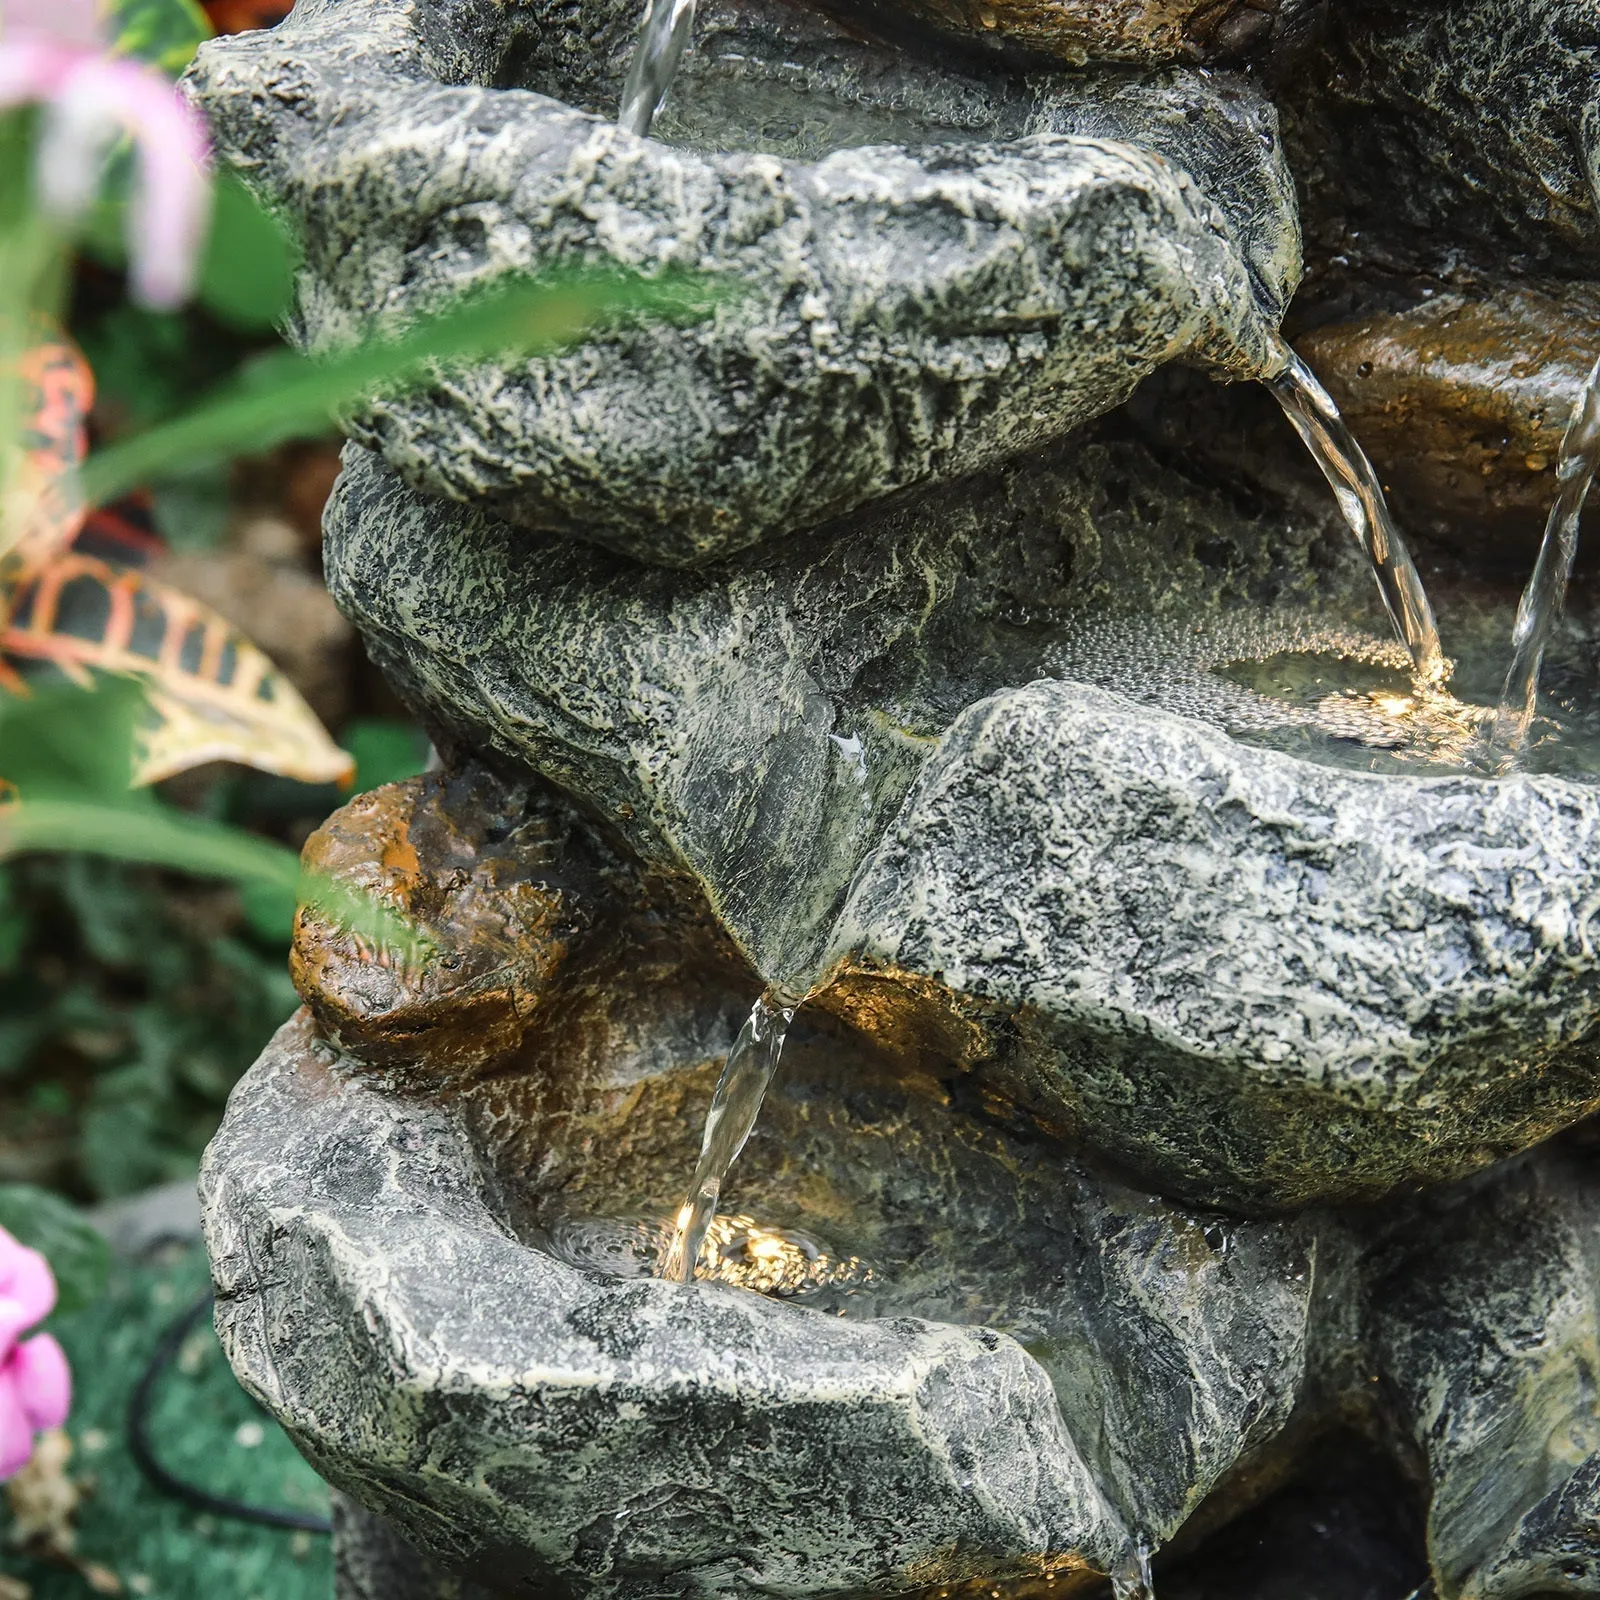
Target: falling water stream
(1543,599)
(735,1105)
(662,39)
(1131,1578)
(1361,501)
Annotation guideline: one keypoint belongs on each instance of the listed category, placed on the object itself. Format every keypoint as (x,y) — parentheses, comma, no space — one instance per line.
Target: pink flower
(35,1385)
(52,53)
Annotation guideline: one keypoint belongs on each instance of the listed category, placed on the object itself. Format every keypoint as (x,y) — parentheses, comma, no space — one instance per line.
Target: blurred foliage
(166,33)
(131,1000)
(129,1006)
(246,278)
(77,1252)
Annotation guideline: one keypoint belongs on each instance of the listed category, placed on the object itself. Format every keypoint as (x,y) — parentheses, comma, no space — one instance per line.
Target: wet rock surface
(475,869)
(905,314)
(1462,401)
(443,1297)
(1297,984)
(804,650)
(1253,980)
(513,1365)
(1468,129)
(1487,1333)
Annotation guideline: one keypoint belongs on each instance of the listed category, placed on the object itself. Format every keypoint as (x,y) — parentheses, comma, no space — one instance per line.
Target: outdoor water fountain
(1200,999)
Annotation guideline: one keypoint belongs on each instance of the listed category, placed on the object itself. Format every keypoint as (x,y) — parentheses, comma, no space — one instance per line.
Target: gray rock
(527,1422)
(1253,979)
(1485,1308)
(398,1283)
(995,1362)
(1296,984)
(978,266)
(757,724)
(1464,126)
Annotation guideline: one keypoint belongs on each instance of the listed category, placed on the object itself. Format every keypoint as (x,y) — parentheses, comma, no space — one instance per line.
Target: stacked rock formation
(1182,1120)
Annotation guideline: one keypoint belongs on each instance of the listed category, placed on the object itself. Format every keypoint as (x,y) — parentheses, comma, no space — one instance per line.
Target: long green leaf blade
(290,394)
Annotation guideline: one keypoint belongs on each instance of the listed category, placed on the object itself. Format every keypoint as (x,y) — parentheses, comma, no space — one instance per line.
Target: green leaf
(73,743)
(247,272)
(385,750)
(78,1256)
(287,395)
(182,842)
(165,33)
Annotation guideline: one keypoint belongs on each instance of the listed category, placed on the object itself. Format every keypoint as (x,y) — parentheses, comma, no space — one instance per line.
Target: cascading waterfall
(1543,599)
(662,38)
(748,1073)
(1311,409)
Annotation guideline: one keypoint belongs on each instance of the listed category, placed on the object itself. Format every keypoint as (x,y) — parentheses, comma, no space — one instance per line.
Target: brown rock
(1461,402)
(1079,31)
(472,863)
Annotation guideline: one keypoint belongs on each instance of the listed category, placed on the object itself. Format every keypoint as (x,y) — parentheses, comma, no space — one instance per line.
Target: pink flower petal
(172,201)
(90,99)
(74,22)
(34,68)
(43,1380)
(27,1290)
(16,1437)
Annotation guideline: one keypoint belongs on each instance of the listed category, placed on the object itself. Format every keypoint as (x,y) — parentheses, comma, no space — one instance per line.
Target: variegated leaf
(43,510)
(213,695)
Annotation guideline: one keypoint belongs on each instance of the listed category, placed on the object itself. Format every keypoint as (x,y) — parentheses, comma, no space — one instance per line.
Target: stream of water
(1361,502)
(662,40)
(1131,1580)
(1543,600)
(734,1108)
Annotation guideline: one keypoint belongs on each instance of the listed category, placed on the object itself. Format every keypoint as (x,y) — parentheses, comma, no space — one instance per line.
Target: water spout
(749,1071)
(662,38)
(1542,601)
(1131,1580)
(1311,409)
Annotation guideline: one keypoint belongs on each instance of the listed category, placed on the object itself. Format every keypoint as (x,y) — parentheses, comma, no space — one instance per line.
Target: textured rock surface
(1080,31)
(1251,1009)
(758,723)
(1462,401)
(1466,125)
(906,314)
(394,1284)
(459,1383)
(1486,1315)
(1250,978)
(476,871)
(1154,1324)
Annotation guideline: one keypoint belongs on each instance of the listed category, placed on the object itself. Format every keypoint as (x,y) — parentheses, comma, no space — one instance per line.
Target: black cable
(168,1483)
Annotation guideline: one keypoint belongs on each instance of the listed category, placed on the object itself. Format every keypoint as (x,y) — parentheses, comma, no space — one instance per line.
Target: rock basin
(935,267)
(436,1278)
